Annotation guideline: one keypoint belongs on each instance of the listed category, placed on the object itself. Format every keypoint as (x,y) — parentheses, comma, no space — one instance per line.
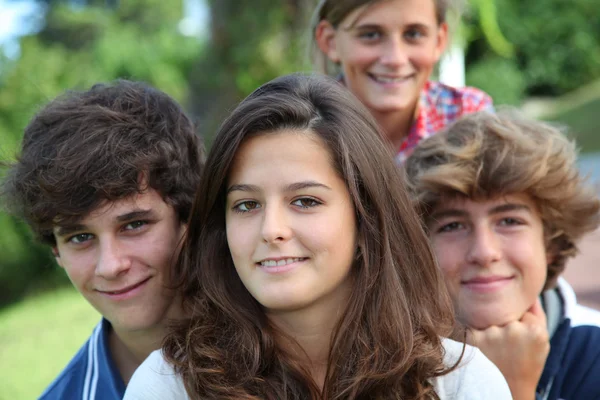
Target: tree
(250,44)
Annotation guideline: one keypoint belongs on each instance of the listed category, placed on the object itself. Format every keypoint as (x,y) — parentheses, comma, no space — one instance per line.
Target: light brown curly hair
(486,155)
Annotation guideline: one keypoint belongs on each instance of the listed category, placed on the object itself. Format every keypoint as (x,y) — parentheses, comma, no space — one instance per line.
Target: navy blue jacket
(572,370)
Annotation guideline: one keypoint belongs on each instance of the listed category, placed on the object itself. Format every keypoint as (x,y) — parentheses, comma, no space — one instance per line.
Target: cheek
(80,267)
(448,256)
(533,265)
(239,239)
(358,58)
(424,58)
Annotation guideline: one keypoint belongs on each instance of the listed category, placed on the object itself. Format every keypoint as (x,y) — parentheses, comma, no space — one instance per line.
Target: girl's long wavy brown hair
(387,343)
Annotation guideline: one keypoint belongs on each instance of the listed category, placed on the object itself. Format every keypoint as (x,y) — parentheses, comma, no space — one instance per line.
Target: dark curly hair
(103,144)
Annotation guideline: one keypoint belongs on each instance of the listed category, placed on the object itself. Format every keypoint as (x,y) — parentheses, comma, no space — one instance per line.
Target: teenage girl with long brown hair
(305,271)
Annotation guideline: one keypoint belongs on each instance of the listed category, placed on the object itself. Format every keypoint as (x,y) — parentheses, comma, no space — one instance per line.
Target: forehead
(110,211)
(385,12)
(285,154)
(467,204)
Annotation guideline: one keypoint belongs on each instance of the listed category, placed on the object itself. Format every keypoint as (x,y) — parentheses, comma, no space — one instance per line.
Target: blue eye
(508,221)
(80,238)
(246,206)
(135,225)
(414,34)
(452,226)
(370,35)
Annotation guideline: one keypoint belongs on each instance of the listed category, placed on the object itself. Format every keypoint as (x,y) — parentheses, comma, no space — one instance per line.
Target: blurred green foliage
(251,43)
(555,43)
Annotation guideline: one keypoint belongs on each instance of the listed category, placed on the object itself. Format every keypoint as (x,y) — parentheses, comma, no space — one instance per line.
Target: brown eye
(306,202)
(246,206)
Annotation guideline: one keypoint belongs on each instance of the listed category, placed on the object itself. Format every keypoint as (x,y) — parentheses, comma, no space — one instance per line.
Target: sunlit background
(542,56)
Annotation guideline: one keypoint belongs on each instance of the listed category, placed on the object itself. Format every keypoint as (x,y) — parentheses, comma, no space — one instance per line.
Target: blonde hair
(335,11)
(486,155)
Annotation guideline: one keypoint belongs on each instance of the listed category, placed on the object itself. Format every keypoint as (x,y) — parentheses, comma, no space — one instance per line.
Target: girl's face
(387,51)
(290,220)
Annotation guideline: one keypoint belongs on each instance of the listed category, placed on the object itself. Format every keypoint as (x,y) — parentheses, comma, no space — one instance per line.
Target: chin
(283,305)
(388,107)
(486,318)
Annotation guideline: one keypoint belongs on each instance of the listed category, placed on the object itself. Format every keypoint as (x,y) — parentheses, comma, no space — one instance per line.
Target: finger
(535,315)
(537,309)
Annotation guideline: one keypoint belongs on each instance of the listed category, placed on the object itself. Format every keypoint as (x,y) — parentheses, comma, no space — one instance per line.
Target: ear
(442,40)
(57,256)
(325,38)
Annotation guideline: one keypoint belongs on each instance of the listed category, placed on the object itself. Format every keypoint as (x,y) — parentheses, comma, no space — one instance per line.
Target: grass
(38,337)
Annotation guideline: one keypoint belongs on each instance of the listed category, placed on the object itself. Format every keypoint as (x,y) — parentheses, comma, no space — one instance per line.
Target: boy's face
(119,257)
(493,256)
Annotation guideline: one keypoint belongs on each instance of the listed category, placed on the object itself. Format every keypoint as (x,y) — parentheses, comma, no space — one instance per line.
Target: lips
(125,289)
(390,79)
(280,264)
(486,279)
(487,284)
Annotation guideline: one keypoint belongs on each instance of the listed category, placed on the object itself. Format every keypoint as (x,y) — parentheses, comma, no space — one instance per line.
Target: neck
(130,349)
(396,125)
(312,329)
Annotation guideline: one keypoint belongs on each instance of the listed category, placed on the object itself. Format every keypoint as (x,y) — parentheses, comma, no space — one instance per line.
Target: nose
(275,226)
(484,249)
(394,53)
(113,260)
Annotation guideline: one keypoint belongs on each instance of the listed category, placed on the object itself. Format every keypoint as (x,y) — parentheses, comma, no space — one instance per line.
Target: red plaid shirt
(439,106)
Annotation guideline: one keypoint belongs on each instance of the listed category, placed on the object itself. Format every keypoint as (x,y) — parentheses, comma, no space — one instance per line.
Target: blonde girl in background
(385,51)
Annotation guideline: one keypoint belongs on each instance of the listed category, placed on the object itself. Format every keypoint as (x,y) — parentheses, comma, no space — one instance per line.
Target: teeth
(280,263)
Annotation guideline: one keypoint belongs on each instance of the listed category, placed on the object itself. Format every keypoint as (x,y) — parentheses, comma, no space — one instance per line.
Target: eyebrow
(361,27)
(136,214)
(65,230)
(373,26)
(502,208)
(289,188)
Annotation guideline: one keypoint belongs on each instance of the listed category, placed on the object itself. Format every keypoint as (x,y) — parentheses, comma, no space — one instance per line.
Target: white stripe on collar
(92,364)
(578,314)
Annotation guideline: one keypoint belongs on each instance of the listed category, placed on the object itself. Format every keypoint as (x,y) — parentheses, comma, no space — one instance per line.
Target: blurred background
(542,56)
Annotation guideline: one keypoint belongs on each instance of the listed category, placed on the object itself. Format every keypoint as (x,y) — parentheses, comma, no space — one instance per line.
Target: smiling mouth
(281,262)
(125,290)
(389,80)
(484,281)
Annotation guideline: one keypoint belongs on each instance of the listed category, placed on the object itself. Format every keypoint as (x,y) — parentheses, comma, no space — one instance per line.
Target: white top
(578,314)
(475,379)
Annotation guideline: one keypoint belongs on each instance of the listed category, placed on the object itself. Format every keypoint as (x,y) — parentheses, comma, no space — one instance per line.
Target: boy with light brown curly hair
(505,205)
